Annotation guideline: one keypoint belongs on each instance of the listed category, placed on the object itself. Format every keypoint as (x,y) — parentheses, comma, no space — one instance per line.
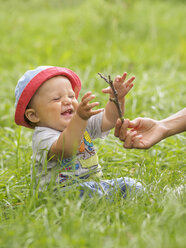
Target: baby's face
(55,103)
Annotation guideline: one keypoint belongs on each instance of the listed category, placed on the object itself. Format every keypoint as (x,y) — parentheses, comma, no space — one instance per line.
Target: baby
(46,101)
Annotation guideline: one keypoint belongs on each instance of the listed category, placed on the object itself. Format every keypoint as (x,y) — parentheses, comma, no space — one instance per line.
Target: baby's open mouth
(67,112)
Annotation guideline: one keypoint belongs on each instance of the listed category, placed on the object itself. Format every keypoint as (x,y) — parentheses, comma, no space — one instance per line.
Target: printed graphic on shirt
(87,155)
(85,162)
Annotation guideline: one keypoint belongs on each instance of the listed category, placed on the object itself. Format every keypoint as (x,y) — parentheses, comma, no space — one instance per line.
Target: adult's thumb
(134,123)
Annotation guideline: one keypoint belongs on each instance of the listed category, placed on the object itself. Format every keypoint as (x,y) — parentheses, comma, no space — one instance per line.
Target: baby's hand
(84,109)
(121,86)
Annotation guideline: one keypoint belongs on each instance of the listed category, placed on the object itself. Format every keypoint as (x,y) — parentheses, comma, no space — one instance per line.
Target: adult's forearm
(174,124)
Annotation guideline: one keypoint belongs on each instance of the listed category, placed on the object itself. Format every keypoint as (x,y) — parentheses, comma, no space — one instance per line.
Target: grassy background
(145,38)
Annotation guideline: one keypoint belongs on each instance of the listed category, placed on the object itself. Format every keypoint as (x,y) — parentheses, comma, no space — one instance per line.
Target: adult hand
(142,134)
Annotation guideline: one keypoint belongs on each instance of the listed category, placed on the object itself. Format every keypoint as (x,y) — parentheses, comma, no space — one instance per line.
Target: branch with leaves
(115,98)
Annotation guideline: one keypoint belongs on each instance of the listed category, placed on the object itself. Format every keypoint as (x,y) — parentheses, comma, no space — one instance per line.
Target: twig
(115,98)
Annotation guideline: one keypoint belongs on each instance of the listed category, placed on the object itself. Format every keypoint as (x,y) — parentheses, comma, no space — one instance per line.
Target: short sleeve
(94,127)
(42,140)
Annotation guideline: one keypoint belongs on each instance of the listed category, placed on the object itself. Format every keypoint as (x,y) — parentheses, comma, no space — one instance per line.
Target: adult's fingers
(134,123)
(129,140)
(117,127)
(137,142)
(123,130)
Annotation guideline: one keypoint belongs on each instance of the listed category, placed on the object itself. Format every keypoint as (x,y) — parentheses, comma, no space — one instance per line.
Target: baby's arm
(69,140)
(111,115)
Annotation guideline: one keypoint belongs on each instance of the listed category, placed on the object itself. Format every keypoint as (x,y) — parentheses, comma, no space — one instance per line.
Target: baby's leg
(123,185)
(110,188)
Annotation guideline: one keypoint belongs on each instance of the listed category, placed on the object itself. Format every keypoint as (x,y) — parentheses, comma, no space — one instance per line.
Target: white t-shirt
(84,164)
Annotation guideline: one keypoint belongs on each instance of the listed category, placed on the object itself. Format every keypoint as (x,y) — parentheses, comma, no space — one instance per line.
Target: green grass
(145,38)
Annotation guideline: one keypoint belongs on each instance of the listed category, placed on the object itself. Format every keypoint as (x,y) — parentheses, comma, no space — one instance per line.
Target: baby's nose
(66,100)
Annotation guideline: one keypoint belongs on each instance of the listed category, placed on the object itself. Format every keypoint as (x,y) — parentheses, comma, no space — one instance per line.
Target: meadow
(146,38)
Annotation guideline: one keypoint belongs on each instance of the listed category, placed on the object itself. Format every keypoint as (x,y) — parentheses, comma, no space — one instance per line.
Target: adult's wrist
(165,128)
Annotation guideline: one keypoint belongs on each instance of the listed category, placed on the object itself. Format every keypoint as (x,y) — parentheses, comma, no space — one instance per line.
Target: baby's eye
(56,98)
(72,96)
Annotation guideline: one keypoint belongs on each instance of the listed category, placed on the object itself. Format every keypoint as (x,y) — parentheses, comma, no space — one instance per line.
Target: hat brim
(36,82)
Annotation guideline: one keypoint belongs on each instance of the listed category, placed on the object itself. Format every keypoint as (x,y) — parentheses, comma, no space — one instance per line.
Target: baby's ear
(31,115)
